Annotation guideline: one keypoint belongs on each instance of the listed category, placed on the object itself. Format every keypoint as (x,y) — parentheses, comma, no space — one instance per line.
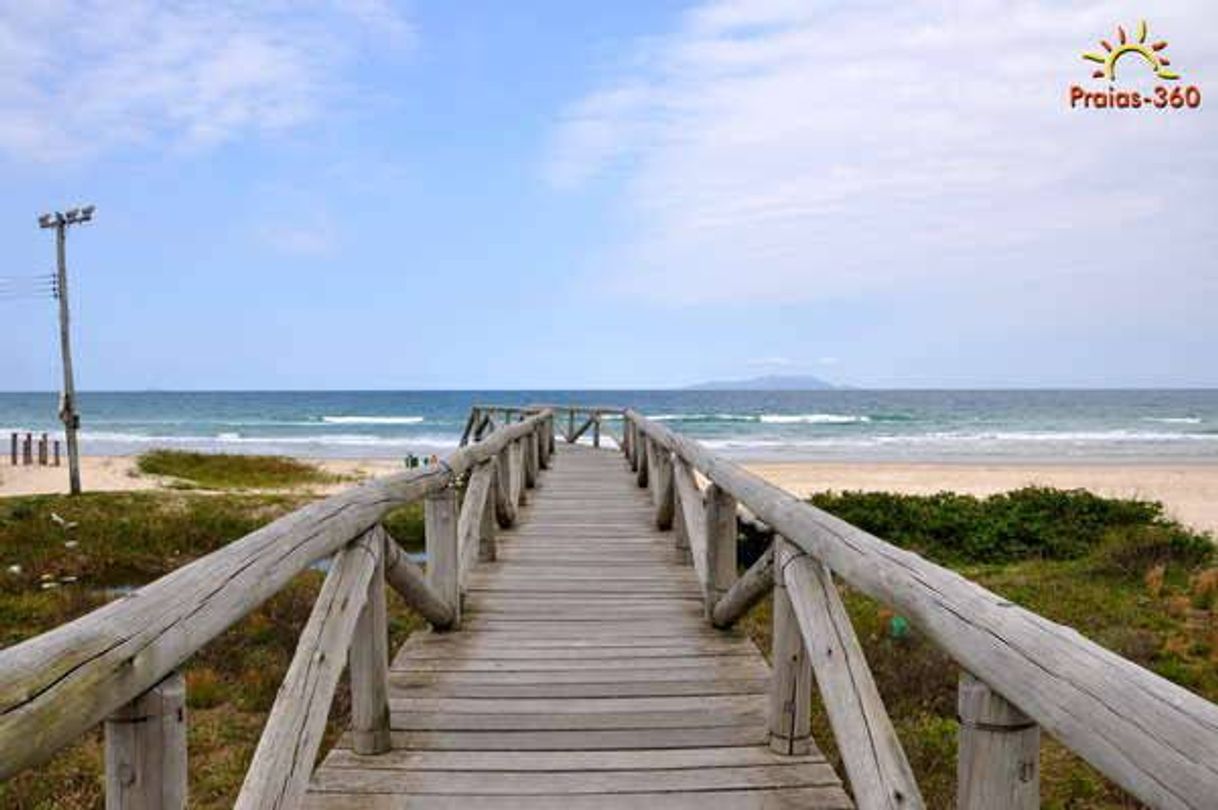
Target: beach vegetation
(1129,579)
(61,557)
(231,471)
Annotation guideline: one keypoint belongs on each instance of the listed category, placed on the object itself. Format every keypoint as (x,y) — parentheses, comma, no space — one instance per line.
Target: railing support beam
(443,556)
(791,682)
(720,544)
(368,660)
(998,766)
(146,750)
(662,488)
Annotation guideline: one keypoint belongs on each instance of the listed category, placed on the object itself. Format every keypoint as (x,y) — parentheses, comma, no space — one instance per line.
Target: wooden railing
(119,664)
(572,420)
(1022,672)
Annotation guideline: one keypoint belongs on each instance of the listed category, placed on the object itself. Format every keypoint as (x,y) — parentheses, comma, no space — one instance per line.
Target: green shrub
(1133,550)
(1029,523)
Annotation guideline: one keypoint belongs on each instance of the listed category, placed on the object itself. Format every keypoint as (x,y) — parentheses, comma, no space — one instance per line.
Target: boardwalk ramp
(584,675)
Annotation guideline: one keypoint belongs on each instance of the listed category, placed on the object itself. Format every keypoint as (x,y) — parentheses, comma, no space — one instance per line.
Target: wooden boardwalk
(584,675)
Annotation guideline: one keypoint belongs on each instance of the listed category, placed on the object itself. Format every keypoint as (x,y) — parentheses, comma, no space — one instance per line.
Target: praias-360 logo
(1123,53)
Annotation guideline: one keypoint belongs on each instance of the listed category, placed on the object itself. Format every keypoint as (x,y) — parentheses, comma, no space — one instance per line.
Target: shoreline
(1188,489)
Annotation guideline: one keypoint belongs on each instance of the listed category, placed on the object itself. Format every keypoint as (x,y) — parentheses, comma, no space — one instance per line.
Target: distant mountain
(770,382)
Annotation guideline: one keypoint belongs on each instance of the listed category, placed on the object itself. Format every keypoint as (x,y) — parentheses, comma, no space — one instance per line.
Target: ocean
(1141,425)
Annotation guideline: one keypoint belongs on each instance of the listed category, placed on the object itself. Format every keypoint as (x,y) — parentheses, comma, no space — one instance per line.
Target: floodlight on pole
(67,405)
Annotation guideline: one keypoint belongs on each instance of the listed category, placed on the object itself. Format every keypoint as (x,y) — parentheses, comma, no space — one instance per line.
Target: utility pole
(67,404)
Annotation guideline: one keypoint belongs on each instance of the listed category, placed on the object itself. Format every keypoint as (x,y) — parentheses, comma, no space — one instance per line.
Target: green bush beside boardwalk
(1117,570)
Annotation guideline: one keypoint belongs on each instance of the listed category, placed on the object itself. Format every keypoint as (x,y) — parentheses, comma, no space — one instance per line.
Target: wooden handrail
(57,685)
(1155,739)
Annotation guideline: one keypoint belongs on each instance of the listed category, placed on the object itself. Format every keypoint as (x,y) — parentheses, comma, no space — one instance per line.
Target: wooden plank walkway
(584,676)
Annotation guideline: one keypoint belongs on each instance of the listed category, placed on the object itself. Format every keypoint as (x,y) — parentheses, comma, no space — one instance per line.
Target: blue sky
(361,194)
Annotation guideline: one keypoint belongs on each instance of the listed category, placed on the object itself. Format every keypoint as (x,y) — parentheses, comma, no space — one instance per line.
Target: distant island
(770,382)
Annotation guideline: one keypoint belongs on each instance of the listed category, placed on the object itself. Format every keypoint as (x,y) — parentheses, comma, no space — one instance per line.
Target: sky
(367,194)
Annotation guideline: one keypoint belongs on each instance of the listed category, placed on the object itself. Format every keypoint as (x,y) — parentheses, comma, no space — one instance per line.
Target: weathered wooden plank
(558,761)
(823,798)
(880,776)
(532,783)
(582,740)
(279,773)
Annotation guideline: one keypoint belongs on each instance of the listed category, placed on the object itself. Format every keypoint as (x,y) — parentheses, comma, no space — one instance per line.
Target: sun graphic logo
(1149,53)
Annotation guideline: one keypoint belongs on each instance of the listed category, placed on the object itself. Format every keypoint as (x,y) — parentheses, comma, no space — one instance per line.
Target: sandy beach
(1190,491)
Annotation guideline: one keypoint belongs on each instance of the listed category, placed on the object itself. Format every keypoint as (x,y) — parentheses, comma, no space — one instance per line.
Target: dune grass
(231,471)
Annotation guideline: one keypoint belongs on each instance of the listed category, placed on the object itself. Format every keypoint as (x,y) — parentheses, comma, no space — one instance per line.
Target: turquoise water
(895,425)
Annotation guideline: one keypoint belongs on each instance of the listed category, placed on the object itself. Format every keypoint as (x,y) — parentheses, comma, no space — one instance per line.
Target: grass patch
(128,539)
(1117,571)
(229,471)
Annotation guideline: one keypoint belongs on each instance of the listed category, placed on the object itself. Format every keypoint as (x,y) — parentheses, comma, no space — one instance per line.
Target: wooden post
(791,681)
(42,450)
(543,446)
(57,452)
(531,463)
(550,433)
(67,404)
(146,750)
(570,425)
(998,766)
(641,470)
(680,530)
(720,544)
(662,494)
(636,446)
(440,533)
(505,504)
(487,544)
(27,450)
(596,429)
(368,660)
(14,449)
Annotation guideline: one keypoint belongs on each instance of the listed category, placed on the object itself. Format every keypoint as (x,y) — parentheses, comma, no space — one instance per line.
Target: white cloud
(783,150)
(78,78)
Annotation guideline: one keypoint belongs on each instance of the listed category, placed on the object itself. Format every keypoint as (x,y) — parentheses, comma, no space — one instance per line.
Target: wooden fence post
(27,450)
(680,530)
(720,544)
(791,681)
(641,470)
(505,504)
(440,534)
(368,659)
(146,750)
(596,429)
(487,543)
(570,426)
(14,449)
(528,446)
(57,452)
(662,494)
(42,450)
(543,446)
(636,446)
(998,766)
